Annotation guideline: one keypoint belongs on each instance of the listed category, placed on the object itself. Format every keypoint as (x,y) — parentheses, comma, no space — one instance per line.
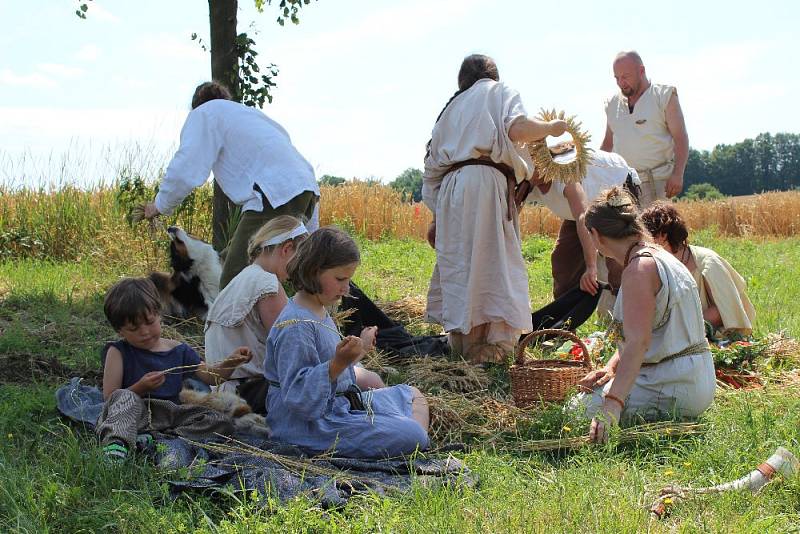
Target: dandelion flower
(668,500)
(566,429)
(669,472)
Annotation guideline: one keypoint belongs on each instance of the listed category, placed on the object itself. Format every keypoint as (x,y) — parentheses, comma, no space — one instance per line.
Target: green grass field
(52,478)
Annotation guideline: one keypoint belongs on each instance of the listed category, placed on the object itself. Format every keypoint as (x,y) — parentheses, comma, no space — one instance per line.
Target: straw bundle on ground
(434,375)
(456,417)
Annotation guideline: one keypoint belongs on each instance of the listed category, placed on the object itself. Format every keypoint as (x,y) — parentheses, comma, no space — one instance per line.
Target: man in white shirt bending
(646,127)
(574,257)
(254,163)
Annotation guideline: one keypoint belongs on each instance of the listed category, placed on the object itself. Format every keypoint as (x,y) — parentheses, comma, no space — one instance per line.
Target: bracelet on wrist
(609,396)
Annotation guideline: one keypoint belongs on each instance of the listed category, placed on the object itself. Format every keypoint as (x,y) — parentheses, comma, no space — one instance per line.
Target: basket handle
(520,352)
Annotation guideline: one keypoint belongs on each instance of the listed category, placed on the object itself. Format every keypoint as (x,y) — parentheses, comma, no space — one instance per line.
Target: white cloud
(100,13)
(60,71)
(41,145)
(725,89)
(170,46)
(401,22)
(88,52)
(132,82)
(38,123)
(35,80)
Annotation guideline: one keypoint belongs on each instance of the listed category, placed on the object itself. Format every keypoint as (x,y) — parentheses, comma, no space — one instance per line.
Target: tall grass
(70,223)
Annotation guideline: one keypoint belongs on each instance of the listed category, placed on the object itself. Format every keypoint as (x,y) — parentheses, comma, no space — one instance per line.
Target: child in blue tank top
(143,365)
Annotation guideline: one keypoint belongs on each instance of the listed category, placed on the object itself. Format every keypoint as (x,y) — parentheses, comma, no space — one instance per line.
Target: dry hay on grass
(437,374)
(782,349)
(405,310)
(458,418)
(377,360)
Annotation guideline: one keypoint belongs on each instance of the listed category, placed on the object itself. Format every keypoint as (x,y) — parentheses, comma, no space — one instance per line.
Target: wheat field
(69,223)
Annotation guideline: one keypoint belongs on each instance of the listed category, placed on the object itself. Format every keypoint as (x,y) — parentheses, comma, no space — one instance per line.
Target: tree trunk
(224,69)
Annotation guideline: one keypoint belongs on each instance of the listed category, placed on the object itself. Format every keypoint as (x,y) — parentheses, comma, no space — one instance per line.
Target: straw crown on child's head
(327,248)
(280,225)
(131,301)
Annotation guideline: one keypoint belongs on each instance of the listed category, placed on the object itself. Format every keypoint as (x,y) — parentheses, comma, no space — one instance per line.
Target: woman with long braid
(474,166)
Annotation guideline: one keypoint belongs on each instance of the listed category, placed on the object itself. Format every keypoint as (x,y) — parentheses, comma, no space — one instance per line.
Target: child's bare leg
(420,411)
(366,379)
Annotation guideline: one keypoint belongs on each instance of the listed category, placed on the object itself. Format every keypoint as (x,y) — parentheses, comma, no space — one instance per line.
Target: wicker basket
(546,380)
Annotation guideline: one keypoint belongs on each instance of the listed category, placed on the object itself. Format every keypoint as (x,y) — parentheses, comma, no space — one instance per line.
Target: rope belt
(508,172)
(691,350)
(649,172)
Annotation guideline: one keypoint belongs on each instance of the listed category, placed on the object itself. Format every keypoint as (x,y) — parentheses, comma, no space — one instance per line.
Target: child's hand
(150,381)
(238,357)
(368,336)
(349,351)
(557,127)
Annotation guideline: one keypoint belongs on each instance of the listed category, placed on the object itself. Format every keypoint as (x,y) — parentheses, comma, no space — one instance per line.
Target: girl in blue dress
(313,400)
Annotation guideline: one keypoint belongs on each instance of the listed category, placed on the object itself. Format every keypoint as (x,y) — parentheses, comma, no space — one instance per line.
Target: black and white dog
(194,282)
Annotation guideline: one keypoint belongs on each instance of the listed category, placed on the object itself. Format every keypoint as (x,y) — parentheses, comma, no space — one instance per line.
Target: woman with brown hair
(475,161)
(663,366)
(723,291)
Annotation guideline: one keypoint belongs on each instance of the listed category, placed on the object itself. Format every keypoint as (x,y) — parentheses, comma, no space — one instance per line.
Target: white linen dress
(480,275)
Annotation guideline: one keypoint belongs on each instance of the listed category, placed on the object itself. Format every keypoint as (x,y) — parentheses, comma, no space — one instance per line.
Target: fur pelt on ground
(193,284)
(230,404)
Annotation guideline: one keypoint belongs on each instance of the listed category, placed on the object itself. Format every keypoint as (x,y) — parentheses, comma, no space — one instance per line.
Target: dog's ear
(179,258)
(163,283)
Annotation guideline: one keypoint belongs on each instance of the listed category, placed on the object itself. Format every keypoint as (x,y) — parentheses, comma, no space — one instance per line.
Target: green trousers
(301,206)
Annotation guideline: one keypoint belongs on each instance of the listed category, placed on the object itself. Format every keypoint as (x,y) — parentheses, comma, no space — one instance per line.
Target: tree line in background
(766,163)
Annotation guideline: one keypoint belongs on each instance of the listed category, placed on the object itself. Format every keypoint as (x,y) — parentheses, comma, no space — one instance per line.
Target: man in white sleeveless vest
(646,127)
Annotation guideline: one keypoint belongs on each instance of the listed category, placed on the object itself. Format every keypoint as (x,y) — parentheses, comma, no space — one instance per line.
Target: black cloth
(567,312)
(254,391)
(392,337)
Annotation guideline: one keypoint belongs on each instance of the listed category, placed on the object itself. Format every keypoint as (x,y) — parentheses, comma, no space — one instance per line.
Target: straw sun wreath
(550,170)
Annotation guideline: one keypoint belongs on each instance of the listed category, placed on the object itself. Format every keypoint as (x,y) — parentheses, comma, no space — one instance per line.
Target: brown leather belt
(508,172)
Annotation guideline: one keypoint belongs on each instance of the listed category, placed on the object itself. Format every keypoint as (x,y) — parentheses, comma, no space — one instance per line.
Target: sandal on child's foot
(115,453)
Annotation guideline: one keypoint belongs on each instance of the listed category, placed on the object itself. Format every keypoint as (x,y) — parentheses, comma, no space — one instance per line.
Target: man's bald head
(629,73)
(630,55)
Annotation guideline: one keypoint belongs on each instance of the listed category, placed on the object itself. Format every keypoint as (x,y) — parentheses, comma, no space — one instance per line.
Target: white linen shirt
(244,148)
(605,170)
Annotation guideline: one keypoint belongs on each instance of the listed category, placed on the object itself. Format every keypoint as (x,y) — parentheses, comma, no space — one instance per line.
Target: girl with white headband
(245,309)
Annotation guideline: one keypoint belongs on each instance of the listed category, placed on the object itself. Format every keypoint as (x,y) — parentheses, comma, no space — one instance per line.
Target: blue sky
(362,81)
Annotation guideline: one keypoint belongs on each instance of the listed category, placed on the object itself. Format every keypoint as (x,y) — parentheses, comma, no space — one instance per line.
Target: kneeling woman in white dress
(663,367)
